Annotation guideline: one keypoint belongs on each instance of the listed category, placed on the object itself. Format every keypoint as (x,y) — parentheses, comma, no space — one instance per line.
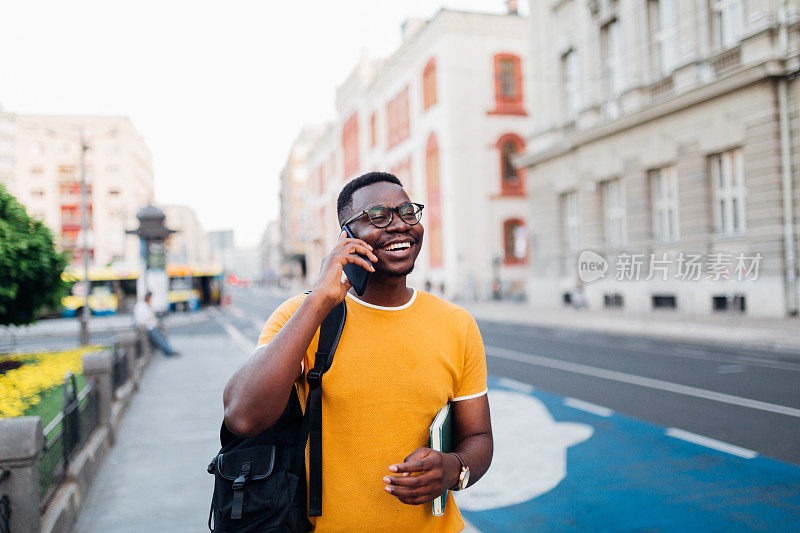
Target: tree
(30,265)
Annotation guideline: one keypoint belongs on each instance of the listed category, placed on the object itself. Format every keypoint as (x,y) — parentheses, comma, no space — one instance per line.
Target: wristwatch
(463,477)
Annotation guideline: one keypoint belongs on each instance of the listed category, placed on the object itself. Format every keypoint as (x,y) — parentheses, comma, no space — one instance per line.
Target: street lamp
(83,141)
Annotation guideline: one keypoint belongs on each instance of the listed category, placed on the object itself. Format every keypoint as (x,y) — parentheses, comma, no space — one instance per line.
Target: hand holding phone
(357,275)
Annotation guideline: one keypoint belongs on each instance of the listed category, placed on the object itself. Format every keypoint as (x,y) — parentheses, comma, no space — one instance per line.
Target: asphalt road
(738,396)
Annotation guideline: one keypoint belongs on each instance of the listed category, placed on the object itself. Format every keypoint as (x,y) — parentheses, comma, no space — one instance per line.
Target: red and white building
(446,113)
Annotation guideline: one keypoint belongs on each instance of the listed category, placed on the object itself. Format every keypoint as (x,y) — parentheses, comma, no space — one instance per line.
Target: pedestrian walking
(145,317)
(403,354)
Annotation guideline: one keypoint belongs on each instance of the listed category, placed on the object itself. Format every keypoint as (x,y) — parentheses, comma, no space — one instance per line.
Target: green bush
(30,265)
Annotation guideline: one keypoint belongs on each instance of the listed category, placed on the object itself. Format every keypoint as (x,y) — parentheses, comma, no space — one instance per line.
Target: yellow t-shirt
(394,368)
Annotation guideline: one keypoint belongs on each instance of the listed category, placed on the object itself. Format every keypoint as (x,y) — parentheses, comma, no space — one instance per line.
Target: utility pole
(84,318)
(83,141)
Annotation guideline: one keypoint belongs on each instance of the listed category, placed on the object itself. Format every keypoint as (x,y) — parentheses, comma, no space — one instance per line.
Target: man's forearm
(257,393)
(476,451)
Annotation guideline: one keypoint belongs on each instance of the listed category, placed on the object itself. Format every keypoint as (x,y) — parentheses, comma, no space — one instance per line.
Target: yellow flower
(23,387)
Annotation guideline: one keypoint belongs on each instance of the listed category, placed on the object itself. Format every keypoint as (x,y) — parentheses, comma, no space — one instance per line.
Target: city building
(40,164)
(446,113)
(295,216)
(665,142)
(189,245)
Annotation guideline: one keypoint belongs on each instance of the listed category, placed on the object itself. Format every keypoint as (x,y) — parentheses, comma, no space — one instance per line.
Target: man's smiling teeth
(398,246)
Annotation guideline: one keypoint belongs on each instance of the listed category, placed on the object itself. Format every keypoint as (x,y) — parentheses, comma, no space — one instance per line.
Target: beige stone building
(189,246)
(40,165)
(446,112)
(295,215)
(666,141)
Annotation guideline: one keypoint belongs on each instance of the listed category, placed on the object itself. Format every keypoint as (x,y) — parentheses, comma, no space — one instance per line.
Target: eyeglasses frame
(392,211)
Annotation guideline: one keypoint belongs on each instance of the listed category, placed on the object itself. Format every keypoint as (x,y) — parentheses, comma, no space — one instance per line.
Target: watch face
(465,479)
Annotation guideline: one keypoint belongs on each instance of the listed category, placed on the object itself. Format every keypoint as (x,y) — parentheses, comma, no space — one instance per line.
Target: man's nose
(397,223)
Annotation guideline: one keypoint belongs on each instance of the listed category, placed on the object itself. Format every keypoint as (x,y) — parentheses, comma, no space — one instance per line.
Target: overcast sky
(218,89)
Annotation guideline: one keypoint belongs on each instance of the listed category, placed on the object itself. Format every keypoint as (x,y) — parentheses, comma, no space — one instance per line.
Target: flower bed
(27,378)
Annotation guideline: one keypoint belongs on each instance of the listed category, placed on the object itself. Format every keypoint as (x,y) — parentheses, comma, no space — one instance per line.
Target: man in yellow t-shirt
(403,354)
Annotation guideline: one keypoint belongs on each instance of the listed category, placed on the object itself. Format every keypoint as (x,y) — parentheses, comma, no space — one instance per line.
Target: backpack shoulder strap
(330,332)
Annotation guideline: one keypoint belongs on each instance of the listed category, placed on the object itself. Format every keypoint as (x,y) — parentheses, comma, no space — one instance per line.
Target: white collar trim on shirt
(400,308)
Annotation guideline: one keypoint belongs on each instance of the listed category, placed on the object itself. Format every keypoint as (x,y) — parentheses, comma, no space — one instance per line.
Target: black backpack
(260,482)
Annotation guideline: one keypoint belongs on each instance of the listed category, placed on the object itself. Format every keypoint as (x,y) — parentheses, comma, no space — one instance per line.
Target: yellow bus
(110,289)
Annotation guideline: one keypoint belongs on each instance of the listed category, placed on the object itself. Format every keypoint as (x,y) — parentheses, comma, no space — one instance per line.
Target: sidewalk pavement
(154,478)
(781,334)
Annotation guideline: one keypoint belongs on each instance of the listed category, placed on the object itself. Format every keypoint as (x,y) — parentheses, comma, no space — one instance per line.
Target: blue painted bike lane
(607,472)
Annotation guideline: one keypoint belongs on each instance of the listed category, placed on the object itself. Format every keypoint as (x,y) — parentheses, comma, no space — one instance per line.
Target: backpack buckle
(238,483)
(314,378)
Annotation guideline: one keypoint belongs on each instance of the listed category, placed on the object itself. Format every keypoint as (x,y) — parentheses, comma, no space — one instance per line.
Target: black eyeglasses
(381,215)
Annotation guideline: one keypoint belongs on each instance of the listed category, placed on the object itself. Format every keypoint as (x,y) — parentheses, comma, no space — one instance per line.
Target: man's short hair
(345,202)
(148,294)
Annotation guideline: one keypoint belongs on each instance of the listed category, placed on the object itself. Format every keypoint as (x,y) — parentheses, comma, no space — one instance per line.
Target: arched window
(350,145)
(512,180)
(434,225)
(429,84)
(508,85)
(515,241)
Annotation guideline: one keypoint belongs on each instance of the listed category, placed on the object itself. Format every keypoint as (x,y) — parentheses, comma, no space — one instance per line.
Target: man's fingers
(411,496)
(409,481)
(416,462)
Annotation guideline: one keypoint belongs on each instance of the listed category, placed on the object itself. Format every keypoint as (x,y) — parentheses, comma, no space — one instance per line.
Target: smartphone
(356,274)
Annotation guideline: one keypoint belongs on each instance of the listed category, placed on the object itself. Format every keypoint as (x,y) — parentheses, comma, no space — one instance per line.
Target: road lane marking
(516,385)
(237,336)
(641,381)
(771,363)
(718,354)
(588,407)
(708,442)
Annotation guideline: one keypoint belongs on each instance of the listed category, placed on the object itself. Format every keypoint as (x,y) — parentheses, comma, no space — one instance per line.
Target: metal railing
(119,374)
(5,503)
(65,435)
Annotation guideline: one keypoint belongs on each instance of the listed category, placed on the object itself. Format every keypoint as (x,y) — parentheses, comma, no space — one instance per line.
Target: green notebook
(442,440)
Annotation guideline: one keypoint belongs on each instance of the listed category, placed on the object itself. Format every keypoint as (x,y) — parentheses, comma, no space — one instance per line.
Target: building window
(36,171)
(736,303)
(515,241)
(403,172)
(612,59)
(6,144)
(664,301)
(664,31)
(113,192)
(350,145)
(397,118)
(507,85)
(727,22)
(373,135)
(512,180)
(613,193)
(613,300)
(37,193)
(571,221)
(727,176)
(434,226)
(6,163)
(664,188)
(429,84)
(570,73)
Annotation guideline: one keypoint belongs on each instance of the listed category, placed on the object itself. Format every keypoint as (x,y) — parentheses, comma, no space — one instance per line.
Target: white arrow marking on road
(641,381)
(708,442)
(588,407)
(530,452)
